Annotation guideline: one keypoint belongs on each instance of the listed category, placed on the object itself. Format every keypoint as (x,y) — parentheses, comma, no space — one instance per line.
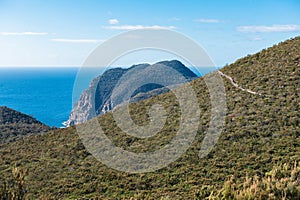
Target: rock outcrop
(96,99)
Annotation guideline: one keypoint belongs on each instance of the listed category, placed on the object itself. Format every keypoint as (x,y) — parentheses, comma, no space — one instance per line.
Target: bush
(15,188)
(282,182)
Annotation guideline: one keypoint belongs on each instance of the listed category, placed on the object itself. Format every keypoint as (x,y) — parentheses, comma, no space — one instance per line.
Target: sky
(64,32)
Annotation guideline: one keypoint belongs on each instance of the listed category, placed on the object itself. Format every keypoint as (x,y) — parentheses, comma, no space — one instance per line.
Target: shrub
(282,182)
(15,188)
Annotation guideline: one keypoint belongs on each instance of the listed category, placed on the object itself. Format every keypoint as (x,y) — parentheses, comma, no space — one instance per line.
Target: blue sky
(64,32)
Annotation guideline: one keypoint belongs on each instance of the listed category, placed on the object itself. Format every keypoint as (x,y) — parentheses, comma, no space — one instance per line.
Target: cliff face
(96,99)
(88,106)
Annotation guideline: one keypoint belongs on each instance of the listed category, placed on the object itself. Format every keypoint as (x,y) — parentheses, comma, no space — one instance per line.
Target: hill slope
(14,125)
(261,131)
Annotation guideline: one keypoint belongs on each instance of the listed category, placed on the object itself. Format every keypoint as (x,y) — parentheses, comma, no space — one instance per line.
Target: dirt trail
(236,85)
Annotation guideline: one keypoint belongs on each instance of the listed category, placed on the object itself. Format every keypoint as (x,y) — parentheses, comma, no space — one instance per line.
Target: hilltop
(14,125)
(255,157)
(96,99)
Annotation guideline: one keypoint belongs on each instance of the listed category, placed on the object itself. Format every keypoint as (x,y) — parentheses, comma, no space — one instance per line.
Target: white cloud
(22,33)
(174,19)
(207,20)
(113,21)
(257,39)
(89,41)
(265,29)
(138,27)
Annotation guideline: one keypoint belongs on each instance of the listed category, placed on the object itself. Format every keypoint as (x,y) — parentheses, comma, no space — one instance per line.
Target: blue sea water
(45,93)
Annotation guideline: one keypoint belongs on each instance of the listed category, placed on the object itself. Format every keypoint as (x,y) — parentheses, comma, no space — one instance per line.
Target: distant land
(96,99)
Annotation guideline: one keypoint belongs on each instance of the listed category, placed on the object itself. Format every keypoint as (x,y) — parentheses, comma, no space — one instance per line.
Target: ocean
(46,93)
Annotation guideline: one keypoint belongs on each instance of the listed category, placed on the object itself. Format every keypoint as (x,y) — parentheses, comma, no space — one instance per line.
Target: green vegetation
(15,188)
(282,182)
(256,157)
(15,125)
